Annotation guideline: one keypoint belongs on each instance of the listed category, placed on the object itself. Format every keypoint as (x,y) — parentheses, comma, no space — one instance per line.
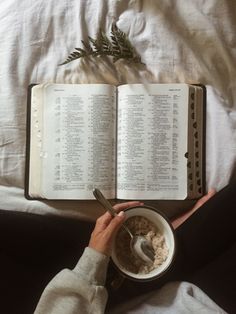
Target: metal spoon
(139,245)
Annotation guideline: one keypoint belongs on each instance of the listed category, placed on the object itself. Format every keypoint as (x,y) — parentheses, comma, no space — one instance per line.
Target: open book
(134,141)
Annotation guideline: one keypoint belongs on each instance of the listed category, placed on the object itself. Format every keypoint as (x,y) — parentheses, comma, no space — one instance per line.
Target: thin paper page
(79,141)
(35,142)
(152,141)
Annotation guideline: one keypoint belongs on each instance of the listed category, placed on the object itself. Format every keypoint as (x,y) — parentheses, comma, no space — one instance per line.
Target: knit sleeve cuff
(93,266)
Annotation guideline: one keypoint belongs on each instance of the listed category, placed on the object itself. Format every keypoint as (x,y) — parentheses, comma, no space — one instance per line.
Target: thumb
(115,223)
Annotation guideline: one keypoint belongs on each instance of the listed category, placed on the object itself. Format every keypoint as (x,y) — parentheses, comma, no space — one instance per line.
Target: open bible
(134,141)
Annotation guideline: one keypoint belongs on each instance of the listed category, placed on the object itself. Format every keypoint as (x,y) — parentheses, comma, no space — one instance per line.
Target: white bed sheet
(178,40)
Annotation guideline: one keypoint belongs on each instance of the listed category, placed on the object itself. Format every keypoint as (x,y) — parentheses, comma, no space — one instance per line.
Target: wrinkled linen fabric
(178,40)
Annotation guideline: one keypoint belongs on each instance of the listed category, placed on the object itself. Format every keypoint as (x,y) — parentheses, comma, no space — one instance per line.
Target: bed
(178,40)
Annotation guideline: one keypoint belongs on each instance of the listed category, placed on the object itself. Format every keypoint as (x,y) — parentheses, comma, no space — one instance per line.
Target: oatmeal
(139,225)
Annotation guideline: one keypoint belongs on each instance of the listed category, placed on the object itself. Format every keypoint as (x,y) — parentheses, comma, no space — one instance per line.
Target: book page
(35,141)
(79,125)
(152,141)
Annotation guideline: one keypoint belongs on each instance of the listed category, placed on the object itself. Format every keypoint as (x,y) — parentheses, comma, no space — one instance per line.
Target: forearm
(78,290)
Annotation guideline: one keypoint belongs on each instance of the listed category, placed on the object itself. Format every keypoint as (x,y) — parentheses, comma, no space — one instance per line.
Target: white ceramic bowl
(165,227)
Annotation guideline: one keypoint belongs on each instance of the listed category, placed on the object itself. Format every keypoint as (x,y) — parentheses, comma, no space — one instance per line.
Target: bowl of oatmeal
(155,227)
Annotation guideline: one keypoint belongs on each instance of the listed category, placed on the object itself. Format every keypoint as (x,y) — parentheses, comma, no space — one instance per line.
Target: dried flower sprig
(118,47)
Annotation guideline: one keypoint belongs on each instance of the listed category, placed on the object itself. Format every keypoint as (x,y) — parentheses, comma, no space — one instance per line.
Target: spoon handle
(106,204)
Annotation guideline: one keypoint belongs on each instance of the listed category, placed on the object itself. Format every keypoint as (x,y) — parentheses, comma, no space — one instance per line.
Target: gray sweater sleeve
(80,290)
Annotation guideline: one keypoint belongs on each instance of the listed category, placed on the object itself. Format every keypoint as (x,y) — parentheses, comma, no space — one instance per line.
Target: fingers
(204,199)
(104,220)
(115,224)
(122,206)
(102,238)
(182,218)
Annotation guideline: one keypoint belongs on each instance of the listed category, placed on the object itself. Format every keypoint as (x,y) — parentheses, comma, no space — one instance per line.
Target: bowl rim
(174,250)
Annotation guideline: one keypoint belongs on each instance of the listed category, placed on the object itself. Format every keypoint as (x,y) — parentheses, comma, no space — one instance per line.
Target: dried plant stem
(118,47)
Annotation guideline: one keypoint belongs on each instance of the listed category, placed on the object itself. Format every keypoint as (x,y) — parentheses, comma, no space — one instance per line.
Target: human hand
(179,220)
(106,227)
